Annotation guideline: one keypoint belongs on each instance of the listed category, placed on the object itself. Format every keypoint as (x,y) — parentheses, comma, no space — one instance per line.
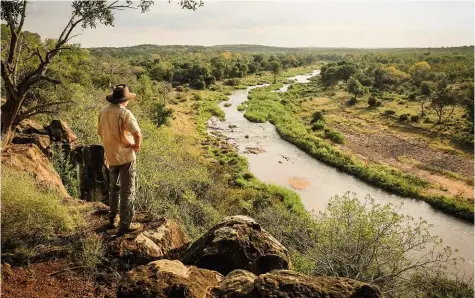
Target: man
(121,136)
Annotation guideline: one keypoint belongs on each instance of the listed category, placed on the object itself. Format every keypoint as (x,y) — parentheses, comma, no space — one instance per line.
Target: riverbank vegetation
(196,178)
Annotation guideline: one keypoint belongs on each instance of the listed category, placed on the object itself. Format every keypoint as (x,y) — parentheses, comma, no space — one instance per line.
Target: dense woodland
(193,188)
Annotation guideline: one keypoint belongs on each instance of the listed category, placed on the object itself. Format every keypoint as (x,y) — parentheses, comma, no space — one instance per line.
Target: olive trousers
(122,188)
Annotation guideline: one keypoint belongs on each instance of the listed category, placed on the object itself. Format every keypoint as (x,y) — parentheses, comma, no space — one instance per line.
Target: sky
(354,24)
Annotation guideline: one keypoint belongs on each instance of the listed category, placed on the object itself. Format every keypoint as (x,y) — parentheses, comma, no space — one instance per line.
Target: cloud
(283,23)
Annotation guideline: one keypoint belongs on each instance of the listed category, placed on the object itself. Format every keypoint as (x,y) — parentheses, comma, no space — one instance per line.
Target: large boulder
(29,126)
(290,284)
(237,284)
(29,158)
(238,242)
(59,131)
(167,278)
(40,140)
(159,238)
(93,174)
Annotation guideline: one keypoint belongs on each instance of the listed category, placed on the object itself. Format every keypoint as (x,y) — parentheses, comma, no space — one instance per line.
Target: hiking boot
(132,228)
(113,221)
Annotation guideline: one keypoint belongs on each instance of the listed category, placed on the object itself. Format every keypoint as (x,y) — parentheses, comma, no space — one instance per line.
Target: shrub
(352,101)
(241,107)
(30,216)
(318,125)
(353,236)
(161,114)
(90,251)
(389,112)
(335,136)
(232,82)
(65,169)
(227,104)
(372,101)
(317,116)
(403,117)
(412,96)
(415,118)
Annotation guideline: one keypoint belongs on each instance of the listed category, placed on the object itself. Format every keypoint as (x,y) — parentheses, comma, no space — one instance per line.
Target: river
(282,161)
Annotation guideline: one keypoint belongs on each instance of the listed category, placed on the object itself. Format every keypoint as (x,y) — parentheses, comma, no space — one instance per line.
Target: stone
(93,174)
(168,278)
(238,283)
(29,126)
(59,131)
(291,284)
(29,158)
(238,242)
(40,140)
(159,238)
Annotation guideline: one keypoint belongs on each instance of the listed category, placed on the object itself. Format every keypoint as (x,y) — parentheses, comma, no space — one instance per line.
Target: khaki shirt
(116,128)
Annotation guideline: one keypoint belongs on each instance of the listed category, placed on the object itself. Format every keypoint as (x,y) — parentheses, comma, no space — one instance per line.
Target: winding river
(282,161)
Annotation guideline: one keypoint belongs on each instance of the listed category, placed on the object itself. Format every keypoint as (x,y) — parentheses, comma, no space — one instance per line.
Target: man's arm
(137,141)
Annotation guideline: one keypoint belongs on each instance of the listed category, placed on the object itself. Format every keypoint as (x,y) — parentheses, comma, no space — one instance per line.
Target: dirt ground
(35,280)
(415,155)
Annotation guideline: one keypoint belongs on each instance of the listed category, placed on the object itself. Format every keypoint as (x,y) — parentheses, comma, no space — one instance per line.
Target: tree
(443,103)
(329,76)
(19,80)
(420,72)
(467,101)
(354,86)
(275,67)
(425,92)
(375,244)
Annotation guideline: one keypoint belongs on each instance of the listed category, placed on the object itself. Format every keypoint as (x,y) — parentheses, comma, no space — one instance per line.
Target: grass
(31,216)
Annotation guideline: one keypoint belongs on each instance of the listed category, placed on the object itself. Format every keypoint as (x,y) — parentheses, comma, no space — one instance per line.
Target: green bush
(372,101)
(389,112)
(318,125)
(161,114)
(352,101)
(91,251)
(227,104)
(403,117)
(30,216)
(317,116)
(335,136)
(375,244)
(241,107)
(65,169)
(415,118)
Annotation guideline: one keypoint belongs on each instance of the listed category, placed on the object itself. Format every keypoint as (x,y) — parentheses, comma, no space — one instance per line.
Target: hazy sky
(278,23)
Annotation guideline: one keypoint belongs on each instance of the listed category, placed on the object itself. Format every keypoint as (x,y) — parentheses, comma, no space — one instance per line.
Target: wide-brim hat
(120,94)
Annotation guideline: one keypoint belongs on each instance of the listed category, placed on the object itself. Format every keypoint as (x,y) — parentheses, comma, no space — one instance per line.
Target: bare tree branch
(39,109)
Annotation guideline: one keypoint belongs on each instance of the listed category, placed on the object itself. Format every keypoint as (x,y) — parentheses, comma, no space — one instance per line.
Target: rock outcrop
(166,278)
(290,284)
(93,174)
(29,126)
(41,140)
(238,242)
(159,238)
(59,131)
(29,158)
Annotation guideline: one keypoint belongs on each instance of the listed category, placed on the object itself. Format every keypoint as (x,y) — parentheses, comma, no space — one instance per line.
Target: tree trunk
(10,110)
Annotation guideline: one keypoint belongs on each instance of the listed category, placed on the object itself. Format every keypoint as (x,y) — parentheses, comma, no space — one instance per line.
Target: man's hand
(136,147)
(137,141)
